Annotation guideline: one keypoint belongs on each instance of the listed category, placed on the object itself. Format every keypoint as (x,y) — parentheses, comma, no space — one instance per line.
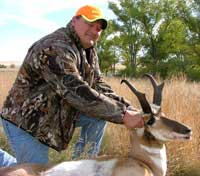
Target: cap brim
(104,21)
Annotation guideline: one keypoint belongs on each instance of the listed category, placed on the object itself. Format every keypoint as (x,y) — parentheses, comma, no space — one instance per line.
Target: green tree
(2,66)
(171,45)
(137,22)
(128,40)
(160,36)
(189,12)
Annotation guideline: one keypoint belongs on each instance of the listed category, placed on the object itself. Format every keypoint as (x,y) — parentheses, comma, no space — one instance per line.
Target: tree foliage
(2,66)
(106,51)
(157,36)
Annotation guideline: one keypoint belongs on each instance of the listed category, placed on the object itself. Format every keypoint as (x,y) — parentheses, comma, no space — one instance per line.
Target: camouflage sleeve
(59,69)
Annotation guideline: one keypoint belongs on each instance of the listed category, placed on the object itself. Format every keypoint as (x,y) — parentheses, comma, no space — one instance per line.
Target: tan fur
(142,156)
(127,166)
(130,167)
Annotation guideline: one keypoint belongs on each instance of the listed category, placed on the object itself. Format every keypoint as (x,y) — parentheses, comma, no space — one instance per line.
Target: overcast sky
(22,22)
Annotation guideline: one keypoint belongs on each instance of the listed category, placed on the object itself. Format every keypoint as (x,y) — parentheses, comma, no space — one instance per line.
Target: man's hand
(133,119)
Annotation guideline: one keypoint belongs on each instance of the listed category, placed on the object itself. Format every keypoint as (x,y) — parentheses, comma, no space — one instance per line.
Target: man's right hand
(133,119)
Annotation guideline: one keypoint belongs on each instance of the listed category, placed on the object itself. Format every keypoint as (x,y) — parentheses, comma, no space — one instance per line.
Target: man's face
(88,32)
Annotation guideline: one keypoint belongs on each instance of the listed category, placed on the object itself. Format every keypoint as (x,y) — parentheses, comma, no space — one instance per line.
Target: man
(58,88)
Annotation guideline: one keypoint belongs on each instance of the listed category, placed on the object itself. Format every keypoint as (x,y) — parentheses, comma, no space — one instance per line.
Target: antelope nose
(186,131)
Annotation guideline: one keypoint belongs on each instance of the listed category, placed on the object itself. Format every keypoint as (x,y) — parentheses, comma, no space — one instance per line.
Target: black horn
(141,97)
(157,95)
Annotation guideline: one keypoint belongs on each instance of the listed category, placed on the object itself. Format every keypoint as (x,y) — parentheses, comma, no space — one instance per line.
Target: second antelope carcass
(147,152)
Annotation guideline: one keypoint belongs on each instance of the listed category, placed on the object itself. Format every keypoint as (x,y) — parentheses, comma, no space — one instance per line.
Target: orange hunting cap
(92,14)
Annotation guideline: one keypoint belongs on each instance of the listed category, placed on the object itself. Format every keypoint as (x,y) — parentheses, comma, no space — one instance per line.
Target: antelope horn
(157,96)
(141,97)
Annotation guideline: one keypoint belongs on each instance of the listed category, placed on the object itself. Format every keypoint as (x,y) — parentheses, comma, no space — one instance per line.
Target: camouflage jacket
(58,80)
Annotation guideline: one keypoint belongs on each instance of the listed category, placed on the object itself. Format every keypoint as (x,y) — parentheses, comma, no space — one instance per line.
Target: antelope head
(157,125)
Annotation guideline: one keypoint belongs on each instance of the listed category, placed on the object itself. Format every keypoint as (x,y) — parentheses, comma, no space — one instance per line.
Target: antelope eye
(151,121)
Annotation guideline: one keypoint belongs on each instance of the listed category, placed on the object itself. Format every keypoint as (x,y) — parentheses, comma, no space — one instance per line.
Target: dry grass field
(181,101)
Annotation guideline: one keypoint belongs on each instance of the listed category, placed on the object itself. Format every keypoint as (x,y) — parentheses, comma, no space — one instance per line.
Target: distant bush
(2,66)
(12,66)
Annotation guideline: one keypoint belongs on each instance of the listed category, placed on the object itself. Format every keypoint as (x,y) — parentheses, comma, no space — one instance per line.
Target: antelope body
(147,153)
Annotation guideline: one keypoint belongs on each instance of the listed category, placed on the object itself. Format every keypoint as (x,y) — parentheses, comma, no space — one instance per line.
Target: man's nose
(97,30)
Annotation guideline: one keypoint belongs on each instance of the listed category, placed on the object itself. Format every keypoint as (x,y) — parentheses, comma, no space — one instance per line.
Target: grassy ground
(181,101)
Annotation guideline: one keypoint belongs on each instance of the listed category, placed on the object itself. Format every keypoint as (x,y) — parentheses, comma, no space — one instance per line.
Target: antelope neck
(150,152)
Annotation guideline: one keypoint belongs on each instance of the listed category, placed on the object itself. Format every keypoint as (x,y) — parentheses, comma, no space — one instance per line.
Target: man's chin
(89,44)
(92,42)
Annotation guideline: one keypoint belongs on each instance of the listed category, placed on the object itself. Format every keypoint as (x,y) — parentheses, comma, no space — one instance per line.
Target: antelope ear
(146,117)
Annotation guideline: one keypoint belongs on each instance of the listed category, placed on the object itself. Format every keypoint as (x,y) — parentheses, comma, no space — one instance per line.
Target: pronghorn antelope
(147,153)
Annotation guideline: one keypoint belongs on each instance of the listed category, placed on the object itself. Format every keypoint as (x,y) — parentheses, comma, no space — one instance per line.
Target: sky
(22,22)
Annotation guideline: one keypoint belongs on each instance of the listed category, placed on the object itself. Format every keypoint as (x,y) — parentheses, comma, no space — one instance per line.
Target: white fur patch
(161,134)
(82,168)
(140,132)
(158,156)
